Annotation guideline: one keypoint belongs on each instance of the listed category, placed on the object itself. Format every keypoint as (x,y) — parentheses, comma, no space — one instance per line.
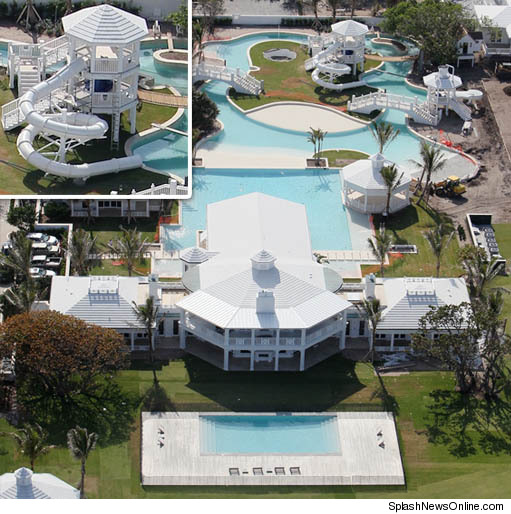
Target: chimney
(370,285)
(265,302)
(23,477)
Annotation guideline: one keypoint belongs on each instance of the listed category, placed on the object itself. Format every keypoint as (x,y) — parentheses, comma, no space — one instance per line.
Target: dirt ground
(490,191)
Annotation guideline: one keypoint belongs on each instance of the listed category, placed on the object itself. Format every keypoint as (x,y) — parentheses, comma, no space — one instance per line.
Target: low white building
(497,33)
(24,484)
(468,46)
(364,189)
(404,301)
(260,300)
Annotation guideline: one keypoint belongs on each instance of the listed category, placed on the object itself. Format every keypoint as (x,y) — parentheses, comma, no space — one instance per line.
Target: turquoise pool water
(318,190)
(269,434)
(166,151)
(175,75)
(242,132)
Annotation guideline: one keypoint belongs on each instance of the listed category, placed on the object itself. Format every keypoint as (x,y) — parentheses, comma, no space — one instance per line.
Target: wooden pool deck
(171,455)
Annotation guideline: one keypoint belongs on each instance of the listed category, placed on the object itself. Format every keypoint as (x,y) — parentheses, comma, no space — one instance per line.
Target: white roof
(442,80)
(261,243)
(105,24)
(23,484)
(104,301)
(499,15)
(350,28)
(406,300)
(232,302)
(365,174)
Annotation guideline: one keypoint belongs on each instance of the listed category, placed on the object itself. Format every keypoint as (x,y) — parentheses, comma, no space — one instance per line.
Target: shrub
(57,211)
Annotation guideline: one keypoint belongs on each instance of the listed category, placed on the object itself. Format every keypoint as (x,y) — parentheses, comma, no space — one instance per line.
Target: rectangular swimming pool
(264,434)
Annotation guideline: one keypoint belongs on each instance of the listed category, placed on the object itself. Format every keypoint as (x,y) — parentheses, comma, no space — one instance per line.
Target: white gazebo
(365,190)
(350,35)
(24,484)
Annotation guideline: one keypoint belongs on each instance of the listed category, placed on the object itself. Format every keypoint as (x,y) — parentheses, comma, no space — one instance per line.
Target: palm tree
(314,4)
(29,17)
(439,239)
(320,134)
(432,161)
(81,247)
(31,441)
(384,133)
(316,137)
(371,310)
(147,314)
(198,33)
(480,271)
(129,247)
(24,295)
(353,7)
(19,257)
(313,138)
(392,181)
(80,444)
(334,5)
(380,245)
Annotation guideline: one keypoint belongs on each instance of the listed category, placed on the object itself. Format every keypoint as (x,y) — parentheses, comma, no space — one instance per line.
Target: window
(234,471)
(280,471)
(295,470)
(348,328)
(175,327)
(161,327)
(361,327)
(496,36)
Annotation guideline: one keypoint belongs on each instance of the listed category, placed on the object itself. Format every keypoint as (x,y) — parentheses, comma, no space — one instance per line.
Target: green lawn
(25,179)
(339,157)
(105,229)
(106,267)
(408,227)
(289,80)
(444,455)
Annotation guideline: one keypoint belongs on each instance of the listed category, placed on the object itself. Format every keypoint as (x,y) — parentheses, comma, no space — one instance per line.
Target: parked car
(54,249)
(40,237)
(6,248)
(53,262)
(38,261)
(40,248)
(41,273)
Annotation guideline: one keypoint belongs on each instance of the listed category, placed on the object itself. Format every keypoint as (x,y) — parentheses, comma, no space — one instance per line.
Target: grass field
(447,447)
(289,80)
(338,157)
(408,227)
(24,179)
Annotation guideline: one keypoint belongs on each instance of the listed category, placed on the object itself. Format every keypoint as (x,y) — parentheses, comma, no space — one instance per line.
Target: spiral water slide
(74,125)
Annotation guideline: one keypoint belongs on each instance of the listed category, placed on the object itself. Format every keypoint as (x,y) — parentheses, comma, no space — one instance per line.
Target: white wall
(150,8)
(272,19)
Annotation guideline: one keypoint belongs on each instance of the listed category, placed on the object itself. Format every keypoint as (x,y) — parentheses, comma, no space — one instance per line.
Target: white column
(133,120)
(365,202)
(277,353)
(226,338)
(303,336)
(392,342)
(132,340)
(252,355)
(302,360)
(182,331)
(342,336)
(147,208)
(226,359)
(277,338)
(252,337)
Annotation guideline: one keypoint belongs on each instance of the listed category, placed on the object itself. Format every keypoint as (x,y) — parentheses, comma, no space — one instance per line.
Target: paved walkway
(153,97)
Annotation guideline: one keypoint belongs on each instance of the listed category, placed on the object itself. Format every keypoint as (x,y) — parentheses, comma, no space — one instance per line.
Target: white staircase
(461,110)
(241,81)
(29,76)
(419,112)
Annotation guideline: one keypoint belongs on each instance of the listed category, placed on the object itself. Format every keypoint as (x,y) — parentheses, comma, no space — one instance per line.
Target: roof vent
(265,302)
(194,255)
(23,477)
(263,260)
(419,286)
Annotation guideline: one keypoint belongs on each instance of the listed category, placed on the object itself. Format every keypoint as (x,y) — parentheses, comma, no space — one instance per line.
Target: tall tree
(23,296)
(180,19)
(392,179)
(80,443)
(210,10)
(380,246)
(372,311)
(147,314)
(480,270)
(129,247)
(32,441)
(204,112)
(384,133)
(81,248)
(19,257)
(334,5)
(439,239)
(435,24)
(22,216)
(313,139)
(198,34)
(62,362)
(432,161)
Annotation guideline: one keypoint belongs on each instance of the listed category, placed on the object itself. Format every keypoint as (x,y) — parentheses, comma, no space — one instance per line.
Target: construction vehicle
(449,187)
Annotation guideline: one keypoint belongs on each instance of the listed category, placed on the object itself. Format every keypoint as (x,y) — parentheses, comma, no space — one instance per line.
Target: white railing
(105,65)
(232,76)
(496,50)
(320,334)
(201,330)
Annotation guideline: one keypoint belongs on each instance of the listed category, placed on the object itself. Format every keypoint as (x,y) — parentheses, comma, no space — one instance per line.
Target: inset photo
(94,99)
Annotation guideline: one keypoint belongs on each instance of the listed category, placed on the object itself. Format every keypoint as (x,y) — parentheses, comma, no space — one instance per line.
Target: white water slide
(75,126)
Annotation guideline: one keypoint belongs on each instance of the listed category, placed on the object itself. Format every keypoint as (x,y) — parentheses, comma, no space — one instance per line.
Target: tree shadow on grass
(467,425)
(319,388)
(109,412)
(157,400)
